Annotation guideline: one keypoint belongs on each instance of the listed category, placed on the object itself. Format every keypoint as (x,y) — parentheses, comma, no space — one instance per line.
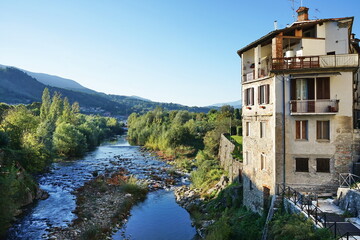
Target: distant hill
(17,86)
(55,81)
(235,104)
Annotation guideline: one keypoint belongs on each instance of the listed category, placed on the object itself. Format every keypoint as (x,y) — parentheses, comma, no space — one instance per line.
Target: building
(300,107)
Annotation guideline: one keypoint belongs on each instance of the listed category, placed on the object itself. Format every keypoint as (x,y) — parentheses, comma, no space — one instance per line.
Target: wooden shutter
(311,88)
(304,129)
(251,96)
(246,97)
(318,130)
(293,89)
(297,129)
(267,93)
(323,88)
(259,95)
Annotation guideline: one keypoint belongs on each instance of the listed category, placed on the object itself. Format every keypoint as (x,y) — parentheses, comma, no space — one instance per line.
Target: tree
(56,107)
(68,141)
(45,104)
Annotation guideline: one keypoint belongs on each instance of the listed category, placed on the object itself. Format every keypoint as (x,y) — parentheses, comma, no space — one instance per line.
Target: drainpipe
(283,135)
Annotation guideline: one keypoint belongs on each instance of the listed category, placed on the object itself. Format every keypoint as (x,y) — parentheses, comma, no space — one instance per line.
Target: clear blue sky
(181,51)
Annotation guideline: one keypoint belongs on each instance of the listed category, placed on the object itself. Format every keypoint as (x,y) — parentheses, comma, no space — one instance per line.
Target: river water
(158,217)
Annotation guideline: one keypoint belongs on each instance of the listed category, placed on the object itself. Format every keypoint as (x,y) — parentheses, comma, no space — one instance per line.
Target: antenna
(293,8)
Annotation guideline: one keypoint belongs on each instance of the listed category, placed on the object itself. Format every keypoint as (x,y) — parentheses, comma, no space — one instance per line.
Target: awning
(314,75)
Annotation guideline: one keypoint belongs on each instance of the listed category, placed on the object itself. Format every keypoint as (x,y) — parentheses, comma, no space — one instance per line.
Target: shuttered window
(323,88)
(301,130)
(323,165)
(302,164)
(249,96)
(262,129)
(323,130)
(264,94)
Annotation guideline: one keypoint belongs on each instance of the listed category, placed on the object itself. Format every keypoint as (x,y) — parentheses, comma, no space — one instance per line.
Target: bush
(296,227)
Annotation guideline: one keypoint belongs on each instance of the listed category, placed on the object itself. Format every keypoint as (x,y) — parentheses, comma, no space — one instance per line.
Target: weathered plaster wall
(336,38)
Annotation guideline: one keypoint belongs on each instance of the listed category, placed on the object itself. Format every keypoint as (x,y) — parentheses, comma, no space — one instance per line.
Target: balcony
(308,62)
(313,107)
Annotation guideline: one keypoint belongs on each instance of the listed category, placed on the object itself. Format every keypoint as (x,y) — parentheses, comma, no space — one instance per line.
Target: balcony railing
(325,61)
(314,106)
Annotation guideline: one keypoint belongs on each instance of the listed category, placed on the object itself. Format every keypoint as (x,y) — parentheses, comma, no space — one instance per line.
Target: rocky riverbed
(102,204)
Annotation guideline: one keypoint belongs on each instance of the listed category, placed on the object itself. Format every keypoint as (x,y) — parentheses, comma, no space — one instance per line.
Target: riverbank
(102,204)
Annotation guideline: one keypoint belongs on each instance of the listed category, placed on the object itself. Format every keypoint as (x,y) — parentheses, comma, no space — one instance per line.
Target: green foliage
(296,227)
(31,136)
(69,141)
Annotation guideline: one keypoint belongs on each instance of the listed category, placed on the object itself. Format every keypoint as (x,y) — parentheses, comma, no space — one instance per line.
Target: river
(158,217)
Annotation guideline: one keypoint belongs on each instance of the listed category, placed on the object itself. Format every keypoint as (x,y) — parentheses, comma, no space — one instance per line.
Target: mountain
(55,81)
(235,104)
(17,86)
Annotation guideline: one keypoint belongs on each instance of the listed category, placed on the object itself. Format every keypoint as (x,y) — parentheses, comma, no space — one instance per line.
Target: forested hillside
(17,87)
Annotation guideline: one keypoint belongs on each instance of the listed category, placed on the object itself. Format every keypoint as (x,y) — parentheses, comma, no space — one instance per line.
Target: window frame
(298,165)
(323,130)
(247,129)
(264,94)
(262,129)
(325,169)
(249,96)
(301,129)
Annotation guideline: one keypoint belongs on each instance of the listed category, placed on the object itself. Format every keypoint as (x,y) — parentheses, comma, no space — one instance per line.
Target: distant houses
(300,108)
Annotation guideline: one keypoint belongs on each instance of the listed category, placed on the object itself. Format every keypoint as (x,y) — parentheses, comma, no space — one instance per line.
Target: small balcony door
(302,90)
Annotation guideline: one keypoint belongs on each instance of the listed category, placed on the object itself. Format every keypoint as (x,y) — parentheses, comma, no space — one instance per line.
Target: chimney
(303,14)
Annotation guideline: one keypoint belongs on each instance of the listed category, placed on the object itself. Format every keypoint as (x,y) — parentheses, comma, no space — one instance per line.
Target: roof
(294,25)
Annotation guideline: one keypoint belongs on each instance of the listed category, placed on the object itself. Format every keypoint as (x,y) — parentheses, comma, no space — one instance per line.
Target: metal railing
(324,61)
(305,203)
(349,180)
(314,106)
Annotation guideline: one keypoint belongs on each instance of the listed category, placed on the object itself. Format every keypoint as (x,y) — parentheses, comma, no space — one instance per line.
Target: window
(323,88)
(249,96)
(263,94)
(250,185)
(247,129)
(302,165)
(262,129)
(323,130)
(262,161)
(323,165)
(246,160)
(301,130)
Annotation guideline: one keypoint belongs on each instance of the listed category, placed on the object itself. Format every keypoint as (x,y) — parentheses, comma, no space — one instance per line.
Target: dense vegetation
(17,87)
(32,136)
(191,140)
(285,226)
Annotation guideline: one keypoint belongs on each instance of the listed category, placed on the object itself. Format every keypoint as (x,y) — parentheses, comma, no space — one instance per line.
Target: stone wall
(232,166)
(349,200)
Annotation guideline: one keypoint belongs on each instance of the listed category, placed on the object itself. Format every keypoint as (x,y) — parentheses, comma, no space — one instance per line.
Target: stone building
(300,107)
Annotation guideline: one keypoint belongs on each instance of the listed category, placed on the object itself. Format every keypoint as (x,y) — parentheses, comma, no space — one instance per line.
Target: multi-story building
(300,107)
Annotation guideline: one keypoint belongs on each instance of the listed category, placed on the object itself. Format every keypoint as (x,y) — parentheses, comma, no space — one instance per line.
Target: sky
(180,51)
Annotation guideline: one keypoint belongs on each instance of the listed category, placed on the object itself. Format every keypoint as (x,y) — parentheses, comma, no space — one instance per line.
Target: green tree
(45,104)
(68,141)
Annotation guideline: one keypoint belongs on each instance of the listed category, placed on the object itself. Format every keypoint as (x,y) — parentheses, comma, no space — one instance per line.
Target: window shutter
(259,95)
(304,129)
(318,130)
(297,127)
(251,96)
(267,95)
(246,97)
